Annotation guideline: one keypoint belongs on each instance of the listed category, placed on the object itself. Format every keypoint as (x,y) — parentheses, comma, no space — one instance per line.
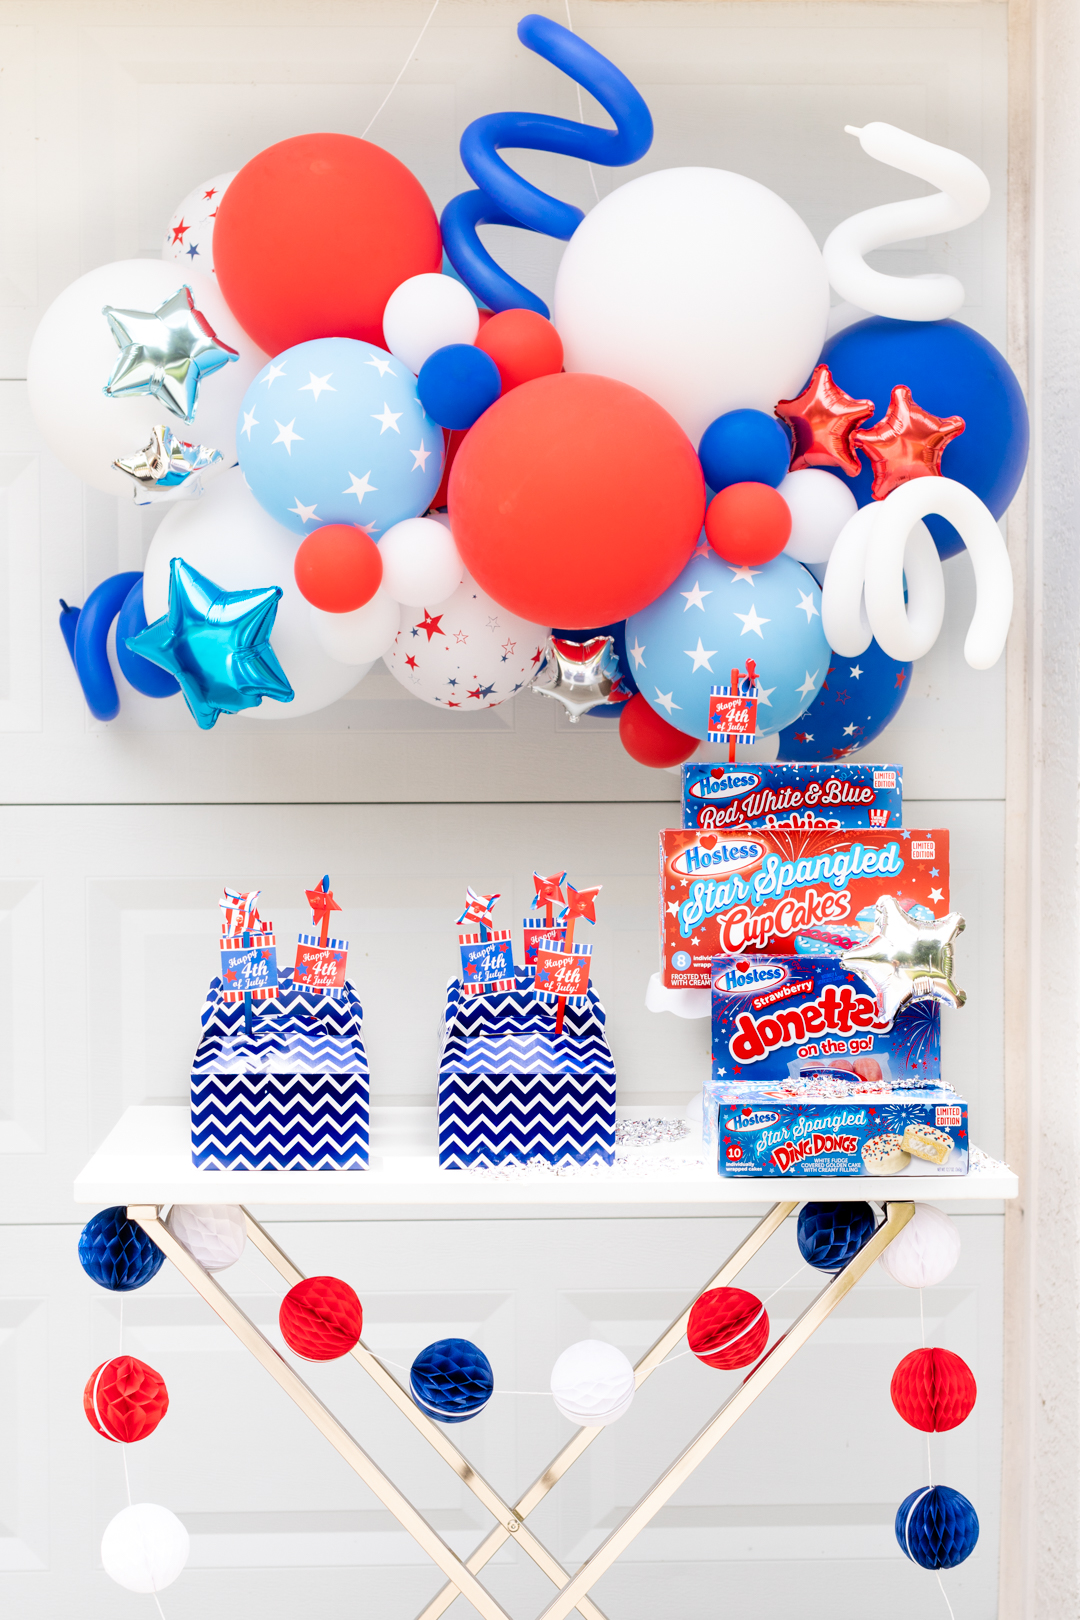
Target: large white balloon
(424,314)
(700,287)
(228,537)
(592,1383)
(364,634)
(214,1234)
(144,1547)
(73,355)
(466,652)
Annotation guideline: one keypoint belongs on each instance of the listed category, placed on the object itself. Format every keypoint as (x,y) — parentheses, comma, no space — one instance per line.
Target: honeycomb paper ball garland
(592,1383)
(934,1390)
(145,1547)
(937,1527)
(125,1400)
(925,1252)
(213,1234)
(116,1253)
(321,1318)
(728,1328)
(452,1380)
(832,1234)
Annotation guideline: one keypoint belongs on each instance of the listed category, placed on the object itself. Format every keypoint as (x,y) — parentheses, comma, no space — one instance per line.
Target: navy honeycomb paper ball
(452,1380)
(832,1234)
(117,1253)
(937,1528)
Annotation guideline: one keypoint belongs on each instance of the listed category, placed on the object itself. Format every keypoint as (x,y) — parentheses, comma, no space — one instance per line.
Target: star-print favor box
(794,795)
(765,890)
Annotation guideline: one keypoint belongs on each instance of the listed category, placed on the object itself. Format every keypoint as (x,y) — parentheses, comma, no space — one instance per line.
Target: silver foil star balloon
(581,675)
(907,960)
(165,352)
(168,467)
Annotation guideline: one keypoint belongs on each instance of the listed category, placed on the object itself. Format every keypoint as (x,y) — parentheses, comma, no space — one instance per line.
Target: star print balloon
(859,698)
(466,652)
(333,431)
(711,620)
(189,239)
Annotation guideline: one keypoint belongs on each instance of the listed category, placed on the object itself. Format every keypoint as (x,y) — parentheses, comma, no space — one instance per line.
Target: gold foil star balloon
(907,960)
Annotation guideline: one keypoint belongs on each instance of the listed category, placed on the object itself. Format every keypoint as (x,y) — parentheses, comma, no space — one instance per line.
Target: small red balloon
(125,1400)
(748,523)
(933,1390)
(728,1328)
(452,440)
(321,1318)
(649,739)
(522,344)
(338,568)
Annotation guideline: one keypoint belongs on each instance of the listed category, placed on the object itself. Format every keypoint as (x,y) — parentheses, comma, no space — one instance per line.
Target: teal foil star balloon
(217,644)
(165,352)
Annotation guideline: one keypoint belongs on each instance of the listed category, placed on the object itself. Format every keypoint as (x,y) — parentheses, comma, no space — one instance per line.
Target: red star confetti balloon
(822,419)
(189,239)
(907,443)
(933,1390)
(466,652)
(728,1328)
(321,1318)
(125,1400)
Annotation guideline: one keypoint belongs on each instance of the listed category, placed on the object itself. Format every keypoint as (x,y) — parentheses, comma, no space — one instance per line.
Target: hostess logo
(717,855)
(751,1119)
(726,786)
(751,976)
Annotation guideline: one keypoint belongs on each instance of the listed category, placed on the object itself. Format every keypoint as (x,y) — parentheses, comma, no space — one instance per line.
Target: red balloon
(748,523)
(125,1400)
(452,438)
(575,500)
(338,568)
(321,1318)
(933,1390)
(728,1328)
(522,344)
(649,739)
(313,236)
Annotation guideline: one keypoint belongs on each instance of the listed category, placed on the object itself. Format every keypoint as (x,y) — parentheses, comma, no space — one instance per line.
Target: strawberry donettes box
(795,795)
(777,891)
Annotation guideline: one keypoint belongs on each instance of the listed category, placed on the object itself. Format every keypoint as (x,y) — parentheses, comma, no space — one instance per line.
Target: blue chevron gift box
(511,1089)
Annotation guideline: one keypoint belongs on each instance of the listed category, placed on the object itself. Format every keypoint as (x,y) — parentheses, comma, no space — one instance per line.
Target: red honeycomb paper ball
(125,1400)
(321,1318)
(728,1328)
(933,1390)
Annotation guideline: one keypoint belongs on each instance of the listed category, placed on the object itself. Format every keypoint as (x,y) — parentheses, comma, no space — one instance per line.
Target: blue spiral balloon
(86,634)
(504,198)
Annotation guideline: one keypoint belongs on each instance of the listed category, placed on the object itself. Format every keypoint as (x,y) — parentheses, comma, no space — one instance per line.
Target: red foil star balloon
(822,420)
(907,443)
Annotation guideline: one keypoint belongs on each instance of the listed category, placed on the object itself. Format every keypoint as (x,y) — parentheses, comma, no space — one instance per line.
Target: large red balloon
(648,738)
(576,500)
(313,236)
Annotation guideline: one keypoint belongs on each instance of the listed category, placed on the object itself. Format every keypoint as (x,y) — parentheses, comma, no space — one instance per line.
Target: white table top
(146,1159)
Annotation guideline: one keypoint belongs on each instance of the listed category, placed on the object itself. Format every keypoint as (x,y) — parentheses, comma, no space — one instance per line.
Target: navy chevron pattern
(293,1095)
(509,1088)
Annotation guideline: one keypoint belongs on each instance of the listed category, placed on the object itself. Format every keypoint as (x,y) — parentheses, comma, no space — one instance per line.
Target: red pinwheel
(549,892)
(579,903)
(322,903)
(478,909)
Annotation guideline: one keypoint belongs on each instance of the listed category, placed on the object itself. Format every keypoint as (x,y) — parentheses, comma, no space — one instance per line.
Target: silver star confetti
(168,467)
(907,960)
(165,352)
(581,675)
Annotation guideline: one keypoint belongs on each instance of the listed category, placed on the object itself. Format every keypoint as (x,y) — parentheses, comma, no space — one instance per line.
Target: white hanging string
(945,1595)
(401,74)
(922,1320)
(580,107)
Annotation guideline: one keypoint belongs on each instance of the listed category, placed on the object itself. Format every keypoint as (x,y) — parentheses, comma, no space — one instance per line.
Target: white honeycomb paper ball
(926,1251)
(592,1383)
(214,1234)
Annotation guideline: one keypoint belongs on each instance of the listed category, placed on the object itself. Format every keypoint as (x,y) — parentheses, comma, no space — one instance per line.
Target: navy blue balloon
(858,700)
(617,632)
(457,384)
(951,371)
(937,1528)
(116,1253)
(451,1380)
(744,447)
(832,1234)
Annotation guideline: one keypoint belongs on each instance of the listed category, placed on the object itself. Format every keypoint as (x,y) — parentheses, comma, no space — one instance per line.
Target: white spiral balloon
(849,621)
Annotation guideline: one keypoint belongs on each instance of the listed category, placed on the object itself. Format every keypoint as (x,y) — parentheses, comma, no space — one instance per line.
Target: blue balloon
(832,1234)
(617,632)
(332,431)
(145,677)
(951,371)
(744,447)
(711,620)
(937,1527)
(858,700)
(117,1253)
(451,1380)
(457,384)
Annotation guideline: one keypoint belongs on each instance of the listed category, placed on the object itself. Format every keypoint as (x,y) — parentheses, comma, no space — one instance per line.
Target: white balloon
(145,1547)
(361,636)
(700,287)
(592,1383)
(846,618)
(466,652)
(925,1251)
(189,239)
(820,505)
(214,1234)
(228,537)
(73,355)
(424,314)
(420,561)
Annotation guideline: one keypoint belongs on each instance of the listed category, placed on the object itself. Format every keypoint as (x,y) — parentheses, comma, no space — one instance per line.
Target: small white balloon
(361,636)
(426,313)
(466,652)
(420,561)
(213,1234)
(925,1252)
(592,1383)
(144,1548)
(189,239)
(820,505)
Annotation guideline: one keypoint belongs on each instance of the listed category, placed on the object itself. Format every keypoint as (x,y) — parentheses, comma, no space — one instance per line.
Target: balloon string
(581,110)
(945,1595)
(120,1350)
(127,1479)
(401,75)
(922,1319)
(161,1611)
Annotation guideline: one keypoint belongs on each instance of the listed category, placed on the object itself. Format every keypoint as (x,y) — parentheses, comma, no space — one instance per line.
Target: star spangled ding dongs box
(791,795)
(783,892)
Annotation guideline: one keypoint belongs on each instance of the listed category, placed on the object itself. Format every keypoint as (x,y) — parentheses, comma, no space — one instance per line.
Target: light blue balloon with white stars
(333,431)
(711,620)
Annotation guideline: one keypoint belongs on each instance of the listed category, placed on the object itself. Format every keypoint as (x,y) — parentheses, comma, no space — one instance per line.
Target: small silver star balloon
(165,352)
(581,675)
(168,467)
(907,960)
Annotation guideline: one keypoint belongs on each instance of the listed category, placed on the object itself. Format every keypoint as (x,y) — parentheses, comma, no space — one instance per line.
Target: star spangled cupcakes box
(783,891)
(794,795)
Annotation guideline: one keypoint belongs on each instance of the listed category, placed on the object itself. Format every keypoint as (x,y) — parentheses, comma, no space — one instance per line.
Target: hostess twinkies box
(820,796)
(762,891)
(828,1122)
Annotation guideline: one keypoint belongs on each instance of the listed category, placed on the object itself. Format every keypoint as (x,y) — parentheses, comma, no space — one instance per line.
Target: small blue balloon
(832,1234)
(457,384)
(937,1527)
(145,677)
(860,697)
(451,1380)
(744,447)
(116,1253)
(951,371)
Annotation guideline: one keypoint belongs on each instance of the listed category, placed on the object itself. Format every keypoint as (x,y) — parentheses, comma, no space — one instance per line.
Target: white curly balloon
(845,593)
(964,194)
